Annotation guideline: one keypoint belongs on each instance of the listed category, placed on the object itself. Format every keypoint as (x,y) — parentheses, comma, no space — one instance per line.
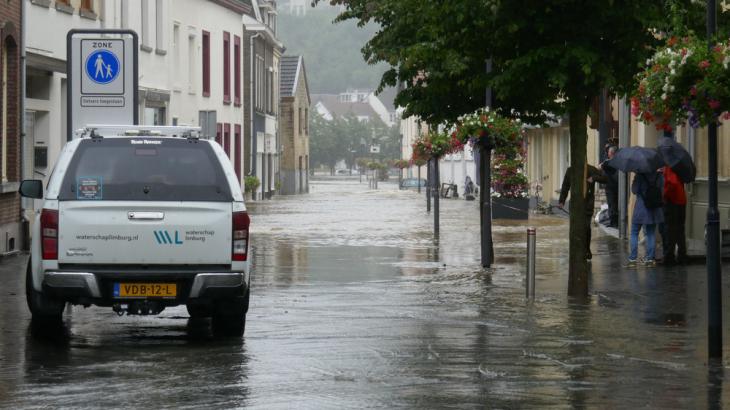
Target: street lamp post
(714,269)
(400,158)
(362,167)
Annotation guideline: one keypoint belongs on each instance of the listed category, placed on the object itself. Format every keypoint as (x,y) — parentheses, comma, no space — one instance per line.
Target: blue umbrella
(637,159)
(678,159)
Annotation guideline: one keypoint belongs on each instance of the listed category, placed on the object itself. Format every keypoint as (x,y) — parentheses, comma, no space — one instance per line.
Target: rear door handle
(146,215)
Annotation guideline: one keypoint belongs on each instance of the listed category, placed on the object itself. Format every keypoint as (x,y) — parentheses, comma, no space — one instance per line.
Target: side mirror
(31,188)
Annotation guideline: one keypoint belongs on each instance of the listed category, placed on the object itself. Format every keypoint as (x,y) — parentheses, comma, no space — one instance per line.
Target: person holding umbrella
(680,169)
(647,187)
(647,214)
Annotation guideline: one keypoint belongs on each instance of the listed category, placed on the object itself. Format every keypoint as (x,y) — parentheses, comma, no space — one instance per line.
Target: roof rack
(101,131)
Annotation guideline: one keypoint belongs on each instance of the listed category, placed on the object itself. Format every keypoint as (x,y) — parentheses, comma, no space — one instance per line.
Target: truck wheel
(199,310)
(229,316)
(40,306)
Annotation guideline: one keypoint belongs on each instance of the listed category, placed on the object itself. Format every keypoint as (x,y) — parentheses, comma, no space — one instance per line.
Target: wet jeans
(649,233)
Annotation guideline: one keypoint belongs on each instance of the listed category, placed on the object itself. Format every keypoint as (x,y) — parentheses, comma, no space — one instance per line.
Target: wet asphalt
(355,304)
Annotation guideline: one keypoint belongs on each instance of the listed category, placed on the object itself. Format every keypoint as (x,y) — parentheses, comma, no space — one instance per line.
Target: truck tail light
(49,234)
(240,236)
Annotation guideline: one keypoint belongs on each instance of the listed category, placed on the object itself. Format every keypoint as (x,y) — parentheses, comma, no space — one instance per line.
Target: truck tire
(196,311)
(229,316)
(40,306)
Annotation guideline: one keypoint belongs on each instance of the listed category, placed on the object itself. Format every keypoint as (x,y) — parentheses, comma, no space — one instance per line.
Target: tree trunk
(578,264)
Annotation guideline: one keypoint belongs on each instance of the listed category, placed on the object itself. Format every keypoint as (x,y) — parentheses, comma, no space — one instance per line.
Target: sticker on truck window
(89,188)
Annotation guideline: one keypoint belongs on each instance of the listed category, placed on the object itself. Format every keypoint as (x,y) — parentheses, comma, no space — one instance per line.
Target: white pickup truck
(139,219)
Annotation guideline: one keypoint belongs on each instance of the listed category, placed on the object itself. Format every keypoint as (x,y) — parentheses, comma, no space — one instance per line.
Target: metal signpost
(102,78)
(375,149)
(208,120)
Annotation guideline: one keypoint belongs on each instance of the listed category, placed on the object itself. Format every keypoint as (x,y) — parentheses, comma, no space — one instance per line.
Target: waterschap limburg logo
(163,237)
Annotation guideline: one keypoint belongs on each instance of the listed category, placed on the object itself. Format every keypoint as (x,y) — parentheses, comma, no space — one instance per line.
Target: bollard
(530,282)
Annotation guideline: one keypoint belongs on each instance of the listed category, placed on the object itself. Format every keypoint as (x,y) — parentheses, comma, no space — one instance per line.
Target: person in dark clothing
(593,175)
(611,189)
(675,203)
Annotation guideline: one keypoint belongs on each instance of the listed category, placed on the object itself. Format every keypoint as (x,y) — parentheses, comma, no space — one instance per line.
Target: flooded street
(354,304)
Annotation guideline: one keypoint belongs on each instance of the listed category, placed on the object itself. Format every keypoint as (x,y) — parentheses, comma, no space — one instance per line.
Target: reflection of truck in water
(141,223)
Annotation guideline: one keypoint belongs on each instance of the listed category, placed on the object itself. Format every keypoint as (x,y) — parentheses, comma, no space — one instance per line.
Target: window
(270,92)
(301,10)
(306,121)
(237,69)
(239,150)
(4,108)
(85,5)
(191,60)
(176,53)
(175,170)
(226,67)
(227,139)
(159,30)
(219,135)
(145,38)
(64,2)
(256,82)
(206,64)
(300,120)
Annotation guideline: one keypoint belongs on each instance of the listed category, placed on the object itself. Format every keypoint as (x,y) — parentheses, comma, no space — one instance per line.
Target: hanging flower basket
(506,137)
(401,163)
(361,162)
(486,127)
(684,83)
(434,146)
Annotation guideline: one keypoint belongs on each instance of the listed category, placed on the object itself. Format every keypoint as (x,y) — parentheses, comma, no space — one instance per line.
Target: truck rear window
(146,169)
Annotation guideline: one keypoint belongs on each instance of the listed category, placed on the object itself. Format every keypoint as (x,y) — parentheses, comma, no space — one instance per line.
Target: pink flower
(704,64)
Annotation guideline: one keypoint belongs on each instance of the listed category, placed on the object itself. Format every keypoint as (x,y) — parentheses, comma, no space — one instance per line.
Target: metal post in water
(436,199)
(419,179)
(428,185)
(530,282)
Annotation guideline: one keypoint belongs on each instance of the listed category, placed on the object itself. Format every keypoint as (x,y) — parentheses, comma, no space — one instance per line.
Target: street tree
(323,141)
(549,57)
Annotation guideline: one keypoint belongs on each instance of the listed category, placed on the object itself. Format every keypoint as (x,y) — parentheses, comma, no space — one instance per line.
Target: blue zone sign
(102,72)
(102,66)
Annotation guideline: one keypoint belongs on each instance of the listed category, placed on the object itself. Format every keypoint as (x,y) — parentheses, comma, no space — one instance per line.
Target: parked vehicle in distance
(141,223)
(343,172)
(412,183)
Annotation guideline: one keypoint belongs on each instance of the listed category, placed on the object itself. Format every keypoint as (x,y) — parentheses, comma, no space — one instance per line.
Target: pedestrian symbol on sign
(102,66)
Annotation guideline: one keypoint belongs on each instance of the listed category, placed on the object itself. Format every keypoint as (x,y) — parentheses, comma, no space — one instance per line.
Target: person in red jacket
(675,206)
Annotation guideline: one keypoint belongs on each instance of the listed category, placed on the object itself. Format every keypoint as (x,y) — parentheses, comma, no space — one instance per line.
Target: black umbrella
(637,159)
(678,159)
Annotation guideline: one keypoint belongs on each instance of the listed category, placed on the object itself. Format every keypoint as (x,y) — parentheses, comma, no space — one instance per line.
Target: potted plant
(277,185)
(251,184)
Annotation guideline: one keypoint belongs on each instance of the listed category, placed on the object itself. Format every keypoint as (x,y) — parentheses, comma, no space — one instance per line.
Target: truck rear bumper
(96,285)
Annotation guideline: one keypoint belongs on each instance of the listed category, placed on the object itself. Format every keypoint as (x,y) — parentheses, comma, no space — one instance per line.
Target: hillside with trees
(332,52)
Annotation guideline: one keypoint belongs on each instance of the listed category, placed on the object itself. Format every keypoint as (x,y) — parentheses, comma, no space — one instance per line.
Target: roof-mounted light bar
(100,131)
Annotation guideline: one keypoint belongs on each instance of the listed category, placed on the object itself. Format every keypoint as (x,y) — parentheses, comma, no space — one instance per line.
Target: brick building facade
(10,23)
(295,101)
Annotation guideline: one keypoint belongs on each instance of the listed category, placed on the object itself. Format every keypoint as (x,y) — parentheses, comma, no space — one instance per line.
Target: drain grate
(619,296)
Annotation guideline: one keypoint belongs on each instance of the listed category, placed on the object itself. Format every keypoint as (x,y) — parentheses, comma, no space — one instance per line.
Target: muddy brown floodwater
(356,305)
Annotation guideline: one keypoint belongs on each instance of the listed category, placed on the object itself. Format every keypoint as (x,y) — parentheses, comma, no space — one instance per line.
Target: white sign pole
(102,78)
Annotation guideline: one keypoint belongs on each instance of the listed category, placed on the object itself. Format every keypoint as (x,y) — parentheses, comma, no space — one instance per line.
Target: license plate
(145,290)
